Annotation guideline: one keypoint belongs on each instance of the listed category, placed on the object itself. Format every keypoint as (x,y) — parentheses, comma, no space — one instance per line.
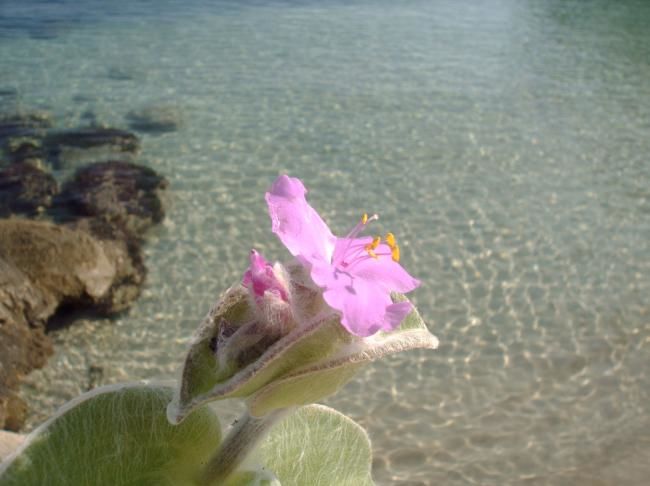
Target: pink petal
(395,314)
(260,278)
(386,272)
(296,223)
(365,306)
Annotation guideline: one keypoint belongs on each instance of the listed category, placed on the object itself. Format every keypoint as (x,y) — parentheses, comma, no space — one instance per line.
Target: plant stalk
(238,444)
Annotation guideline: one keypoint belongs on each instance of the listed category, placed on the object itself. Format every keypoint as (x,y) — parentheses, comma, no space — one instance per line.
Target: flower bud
(265,318)
(275,342)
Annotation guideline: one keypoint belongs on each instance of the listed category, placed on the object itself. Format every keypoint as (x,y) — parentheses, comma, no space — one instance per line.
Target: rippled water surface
(505,143)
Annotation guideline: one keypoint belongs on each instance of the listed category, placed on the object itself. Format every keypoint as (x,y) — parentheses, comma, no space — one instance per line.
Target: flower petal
(261,277)
(296,223)
(386,272)
(395,314)
(365,305)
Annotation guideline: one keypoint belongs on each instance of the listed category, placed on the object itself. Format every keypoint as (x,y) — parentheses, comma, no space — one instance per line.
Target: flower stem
(241,440)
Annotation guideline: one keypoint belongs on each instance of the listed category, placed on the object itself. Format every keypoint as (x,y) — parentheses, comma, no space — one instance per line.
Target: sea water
(506,145)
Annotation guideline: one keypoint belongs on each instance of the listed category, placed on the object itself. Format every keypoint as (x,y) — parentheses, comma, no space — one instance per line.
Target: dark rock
(90,137)
(124,195)
(8,91)
(25,189)
(24,124)
(95,376)
(155,119)
(90,117)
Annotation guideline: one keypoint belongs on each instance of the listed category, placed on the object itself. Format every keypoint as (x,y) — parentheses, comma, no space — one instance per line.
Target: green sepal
(310,363)
(303,388)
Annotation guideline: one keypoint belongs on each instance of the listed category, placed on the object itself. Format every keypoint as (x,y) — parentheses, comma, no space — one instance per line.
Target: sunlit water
(505,143)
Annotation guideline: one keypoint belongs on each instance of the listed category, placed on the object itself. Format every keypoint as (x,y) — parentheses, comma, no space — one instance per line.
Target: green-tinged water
(505,143)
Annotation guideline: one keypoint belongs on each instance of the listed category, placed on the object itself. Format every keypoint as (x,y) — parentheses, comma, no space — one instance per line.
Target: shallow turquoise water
(505,143)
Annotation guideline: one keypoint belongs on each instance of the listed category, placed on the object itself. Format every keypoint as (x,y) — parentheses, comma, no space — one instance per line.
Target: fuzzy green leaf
(318,446)
(115,435)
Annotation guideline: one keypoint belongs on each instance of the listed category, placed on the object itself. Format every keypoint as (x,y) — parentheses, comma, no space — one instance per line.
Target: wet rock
(15,411)
(155,119)
(119,247)
(125,196)
(63,264)
(25,189)
(23,343)
(45,270)
(24,124)
(72,268)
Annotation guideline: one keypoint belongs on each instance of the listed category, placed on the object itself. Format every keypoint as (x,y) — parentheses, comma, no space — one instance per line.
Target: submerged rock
(24,124)
(8,91)
(90,137)
(125,73)
(25,189)
(126,196)
(8,98)
(155,119)
(66,148)
(25,149)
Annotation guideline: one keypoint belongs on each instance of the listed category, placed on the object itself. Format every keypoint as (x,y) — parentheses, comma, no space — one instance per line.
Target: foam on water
(505,145)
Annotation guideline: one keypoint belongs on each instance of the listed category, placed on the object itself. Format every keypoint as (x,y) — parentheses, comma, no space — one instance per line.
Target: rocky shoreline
(65,245)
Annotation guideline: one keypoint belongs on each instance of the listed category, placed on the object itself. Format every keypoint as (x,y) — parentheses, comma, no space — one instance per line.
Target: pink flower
(262,277)
(357,275)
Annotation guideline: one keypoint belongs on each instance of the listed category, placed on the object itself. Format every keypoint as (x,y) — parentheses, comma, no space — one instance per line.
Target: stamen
(374,244)
(361,224)
(371,247)
(392,244)
(394,253)
(345,257)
